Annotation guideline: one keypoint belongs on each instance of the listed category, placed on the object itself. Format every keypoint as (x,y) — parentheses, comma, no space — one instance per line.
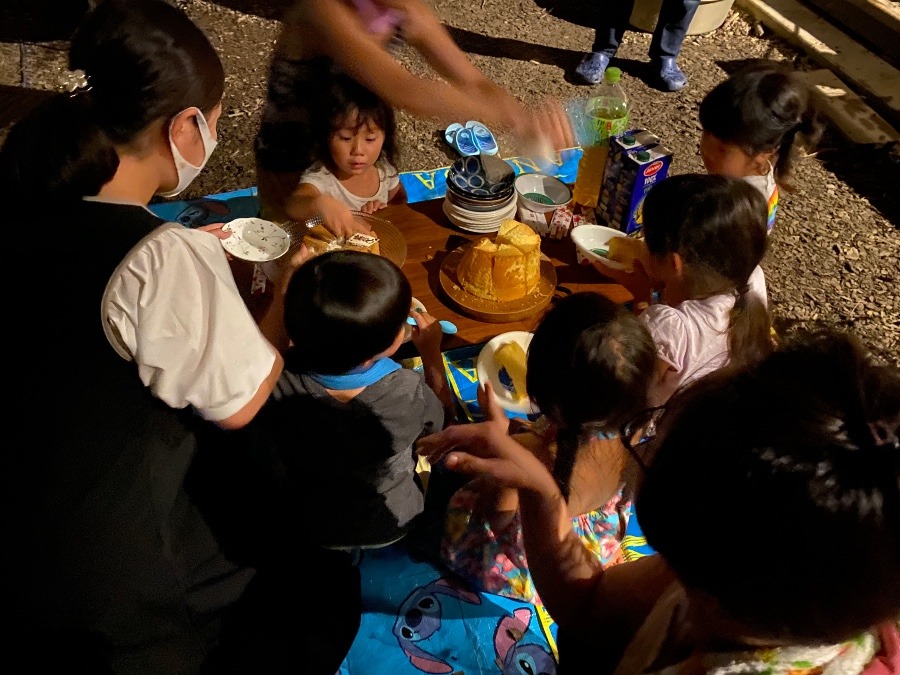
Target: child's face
(355,147)
(727,159)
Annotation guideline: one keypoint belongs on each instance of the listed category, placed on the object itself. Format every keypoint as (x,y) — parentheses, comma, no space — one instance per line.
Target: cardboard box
(637,169)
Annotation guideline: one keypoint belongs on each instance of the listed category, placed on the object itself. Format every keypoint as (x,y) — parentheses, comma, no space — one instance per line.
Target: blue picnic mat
(417,618)
(420,186)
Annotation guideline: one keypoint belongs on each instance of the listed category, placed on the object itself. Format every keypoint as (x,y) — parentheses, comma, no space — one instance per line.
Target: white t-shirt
(177,312)
(692,338)
(327,183)
(767,186)
(769,189)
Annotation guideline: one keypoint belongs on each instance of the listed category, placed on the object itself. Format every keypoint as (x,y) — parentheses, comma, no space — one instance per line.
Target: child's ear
(763,160)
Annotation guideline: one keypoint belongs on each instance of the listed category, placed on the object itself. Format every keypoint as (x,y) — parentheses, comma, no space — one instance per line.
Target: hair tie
(73,82)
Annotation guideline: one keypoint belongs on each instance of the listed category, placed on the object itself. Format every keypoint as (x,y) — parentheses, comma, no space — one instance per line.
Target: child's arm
(636,281)
(597,474)
(577,592)
(427,338)
(306,202)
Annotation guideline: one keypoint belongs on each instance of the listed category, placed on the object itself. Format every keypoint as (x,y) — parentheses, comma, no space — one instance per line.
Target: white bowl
(590,238)
(542,184)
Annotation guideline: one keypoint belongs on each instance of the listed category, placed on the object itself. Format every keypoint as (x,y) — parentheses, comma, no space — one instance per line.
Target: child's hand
(338,218)
(487,448)
(426,334)
(372,206)
(636,280)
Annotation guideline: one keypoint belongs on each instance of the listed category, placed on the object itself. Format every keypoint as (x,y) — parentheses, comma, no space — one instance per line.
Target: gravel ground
(834,258)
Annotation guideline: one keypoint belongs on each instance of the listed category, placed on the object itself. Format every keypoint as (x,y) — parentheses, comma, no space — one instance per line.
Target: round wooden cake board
(391,243)
(490,310)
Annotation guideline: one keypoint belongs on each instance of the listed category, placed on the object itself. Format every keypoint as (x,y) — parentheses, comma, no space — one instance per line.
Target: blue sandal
(464,142)
(484,139)
(450,134)
(461,139)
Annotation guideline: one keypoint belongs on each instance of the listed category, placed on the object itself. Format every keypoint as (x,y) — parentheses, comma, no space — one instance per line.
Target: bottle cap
(642,156)
(628,139)
(612,75)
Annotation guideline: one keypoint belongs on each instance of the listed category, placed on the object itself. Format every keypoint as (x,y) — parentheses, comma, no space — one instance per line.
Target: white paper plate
(488,371)
(256,240)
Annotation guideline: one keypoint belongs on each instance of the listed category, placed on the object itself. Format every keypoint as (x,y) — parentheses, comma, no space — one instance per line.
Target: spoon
(447,327)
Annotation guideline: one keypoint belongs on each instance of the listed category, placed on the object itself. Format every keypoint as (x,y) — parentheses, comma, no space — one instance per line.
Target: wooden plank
(847,111)
(833,49)
(874,23)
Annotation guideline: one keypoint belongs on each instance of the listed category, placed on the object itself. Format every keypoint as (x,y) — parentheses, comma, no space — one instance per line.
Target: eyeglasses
(640,429)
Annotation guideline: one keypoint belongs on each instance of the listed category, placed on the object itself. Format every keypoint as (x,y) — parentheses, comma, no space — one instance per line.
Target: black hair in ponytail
(145,61)
(590,364)
(717,224)
(764,107)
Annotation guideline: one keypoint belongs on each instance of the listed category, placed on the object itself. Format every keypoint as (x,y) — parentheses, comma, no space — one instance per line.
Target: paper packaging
(539,222)
(622,197)
(553,224)
(633,139)
(561,222)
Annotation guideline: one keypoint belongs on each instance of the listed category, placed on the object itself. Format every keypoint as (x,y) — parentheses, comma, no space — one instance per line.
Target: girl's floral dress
(493,559)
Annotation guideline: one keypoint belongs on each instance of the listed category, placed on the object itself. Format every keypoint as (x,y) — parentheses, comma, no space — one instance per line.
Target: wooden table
(429,237)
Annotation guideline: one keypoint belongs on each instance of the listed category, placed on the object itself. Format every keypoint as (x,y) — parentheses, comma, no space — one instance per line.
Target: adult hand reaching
(544,130)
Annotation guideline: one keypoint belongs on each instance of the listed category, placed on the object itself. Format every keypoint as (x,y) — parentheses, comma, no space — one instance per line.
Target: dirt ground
(834,256)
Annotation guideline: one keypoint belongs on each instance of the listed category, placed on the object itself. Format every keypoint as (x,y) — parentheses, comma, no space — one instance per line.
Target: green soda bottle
(595,120)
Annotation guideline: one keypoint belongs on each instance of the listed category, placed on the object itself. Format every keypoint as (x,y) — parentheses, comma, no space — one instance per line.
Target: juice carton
(640,170)
(633,139)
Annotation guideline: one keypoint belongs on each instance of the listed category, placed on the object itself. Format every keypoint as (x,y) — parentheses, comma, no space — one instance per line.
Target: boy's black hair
(717,224)
(764,107)
(790,473)
(342,308)
(145,61)
(590,364)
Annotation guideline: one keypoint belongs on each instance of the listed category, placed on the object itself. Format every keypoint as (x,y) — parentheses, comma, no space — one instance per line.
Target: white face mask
(187,172)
